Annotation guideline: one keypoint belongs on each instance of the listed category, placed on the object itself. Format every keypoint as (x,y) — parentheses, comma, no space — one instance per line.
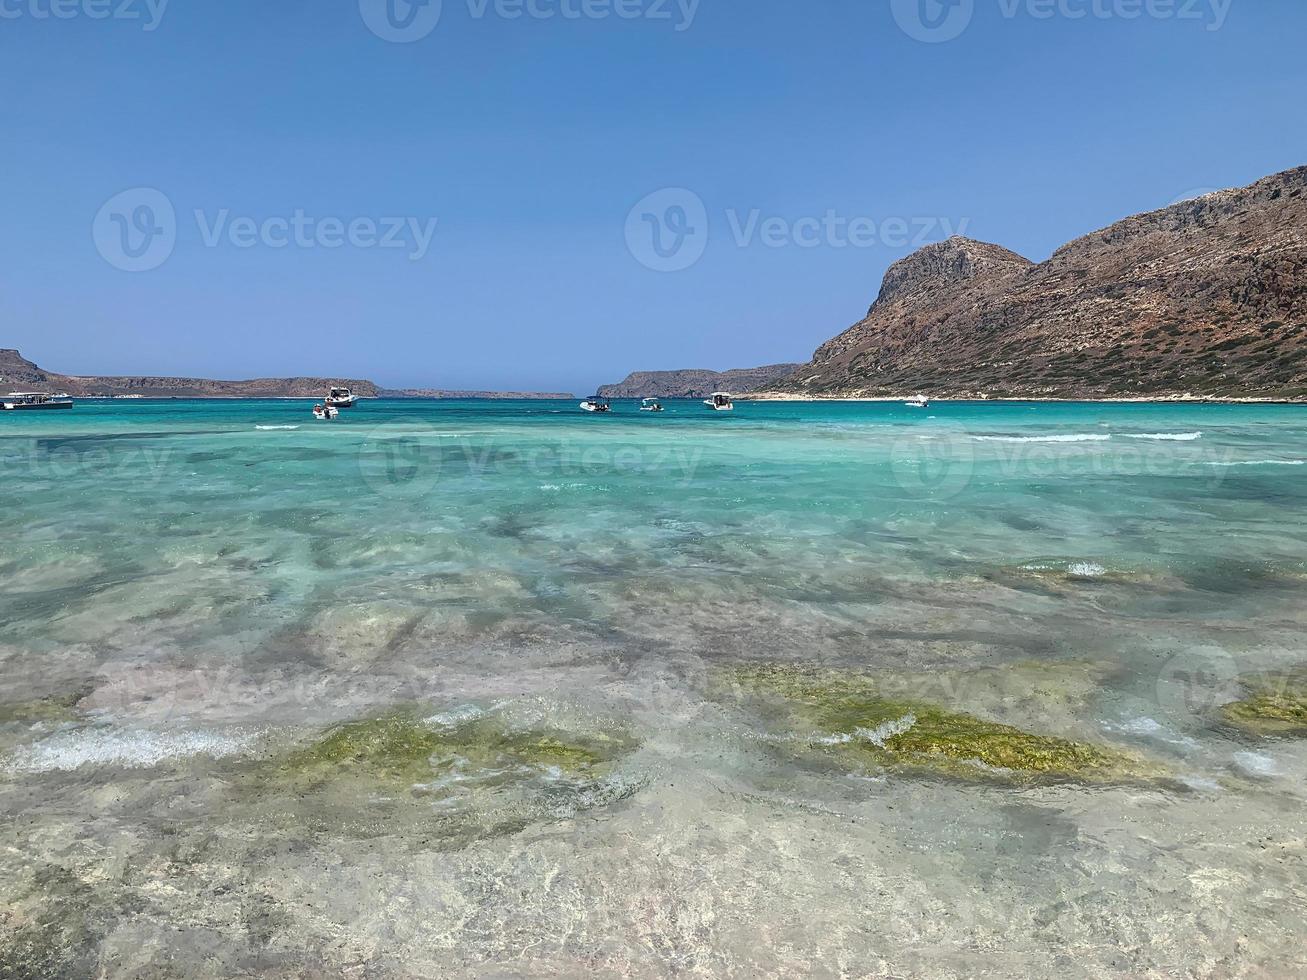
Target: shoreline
(774,396)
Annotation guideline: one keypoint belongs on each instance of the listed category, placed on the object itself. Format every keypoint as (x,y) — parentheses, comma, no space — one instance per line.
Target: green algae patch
(53,709)
(442,782)
(1273,704)
(850,719)
(404,746)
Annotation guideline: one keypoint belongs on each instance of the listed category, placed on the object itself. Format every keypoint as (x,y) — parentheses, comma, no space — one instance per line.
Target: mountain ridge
(1205,298)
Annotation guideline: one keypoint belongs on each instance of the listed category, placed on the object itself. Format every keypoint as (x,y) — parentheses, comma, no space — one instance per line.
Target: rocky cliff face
(693,383)
(1207,298)
(19,374)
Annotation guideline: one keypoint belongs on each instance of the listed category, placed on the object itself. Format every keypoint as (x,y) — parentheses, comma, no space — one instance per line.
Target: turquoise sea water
(192,589)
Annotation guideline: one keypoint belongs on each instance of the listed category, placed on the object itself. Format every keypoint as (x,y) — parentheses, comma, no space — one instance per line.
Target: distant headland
(18,373)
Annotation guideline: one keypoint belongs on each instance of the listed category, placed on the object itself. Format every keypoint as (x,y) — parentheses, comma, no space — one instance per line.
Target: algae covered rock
(449,779)
(405,746)
(849,718)
(1273,704)
(52,709)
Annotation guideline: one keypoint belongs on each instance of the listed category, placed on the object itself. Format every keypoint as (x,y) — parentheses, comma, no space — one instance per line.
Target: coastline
(1186,399)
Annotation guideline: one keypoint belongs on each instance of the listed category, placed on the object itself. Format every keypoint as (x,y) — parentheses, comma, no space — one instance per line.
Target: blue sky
(821,140)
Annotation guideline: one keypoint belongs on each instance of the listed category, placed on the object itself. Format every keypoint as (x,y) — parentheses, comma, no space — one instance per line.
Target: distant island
(1203,299)
(17,374)
(695,382)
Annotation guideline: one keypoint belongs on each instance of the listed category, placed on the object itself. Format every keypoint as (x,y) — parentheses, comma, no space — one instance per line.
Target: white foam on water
(457,716)
(556,487)
(1086,569)
(1069,437)
(1165,436)
(71,750)
(274,428)
(1261,462)
(877,736)
(1256,764)
(1151,728)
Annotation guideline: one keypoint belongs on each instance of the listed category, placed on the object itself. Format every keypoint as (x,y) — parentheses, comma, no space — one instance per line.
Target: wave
(1261,462)
(270,428)
(130,750)
(1069,437)
(1164,436)
(1086,569)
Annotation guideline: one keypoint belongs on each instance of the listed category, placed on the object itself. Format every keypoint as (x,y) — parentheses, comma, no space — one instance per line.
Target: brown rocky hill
(696,383)
(19,374)
(1206,298)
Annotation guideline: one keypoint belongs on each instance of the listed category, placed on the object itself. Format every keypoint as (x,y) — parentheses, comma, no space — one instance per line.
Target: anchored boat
(650,405)
(921,401)
(720,401)
(325,413)
(341,398)
(596,404)
(17,401)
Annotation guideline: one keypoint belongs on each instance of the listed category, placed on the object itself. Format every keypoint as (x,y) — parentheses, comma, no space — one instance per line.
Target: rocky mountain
(693,383)
(1206,298)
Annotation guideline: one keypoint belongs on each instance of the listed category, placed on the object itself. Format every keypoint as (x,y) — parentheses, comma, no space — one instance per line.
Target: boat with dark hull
(18,401)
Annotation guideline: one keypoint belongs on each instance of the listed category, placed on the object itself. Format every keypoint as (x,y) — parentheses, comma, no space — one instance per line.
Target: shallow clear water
(193,592)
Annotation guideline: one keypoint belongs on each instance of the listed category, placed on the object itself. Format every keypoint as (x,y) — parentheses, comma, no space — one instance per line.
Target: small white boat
(920,401)
(20,401)
(596,404)
(720,401)
(325,413)
(650,405)
(340,397)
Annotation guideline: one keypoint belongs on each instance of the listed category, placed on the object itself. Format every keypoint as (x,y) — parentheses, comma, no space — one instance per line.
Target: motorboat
(720,401)
(596,403)
(920,401)
(340,397)
(325,413)
(18,401)
(650,405)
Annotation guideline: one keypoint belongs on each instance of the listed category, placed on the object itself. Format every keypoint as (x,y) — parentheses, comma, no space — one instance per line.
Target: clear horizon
(501,196)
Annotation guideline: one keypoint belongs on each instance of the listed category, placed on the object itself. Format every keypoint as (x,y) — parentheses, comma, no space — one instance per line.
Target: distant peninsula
(695,382)
(19,374)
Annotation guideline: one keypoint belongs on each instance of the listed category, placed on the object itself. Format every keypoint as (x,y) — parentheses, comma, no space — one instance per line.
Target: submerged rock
(53,709)
(451,778)
(850,718)
(1274,704)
